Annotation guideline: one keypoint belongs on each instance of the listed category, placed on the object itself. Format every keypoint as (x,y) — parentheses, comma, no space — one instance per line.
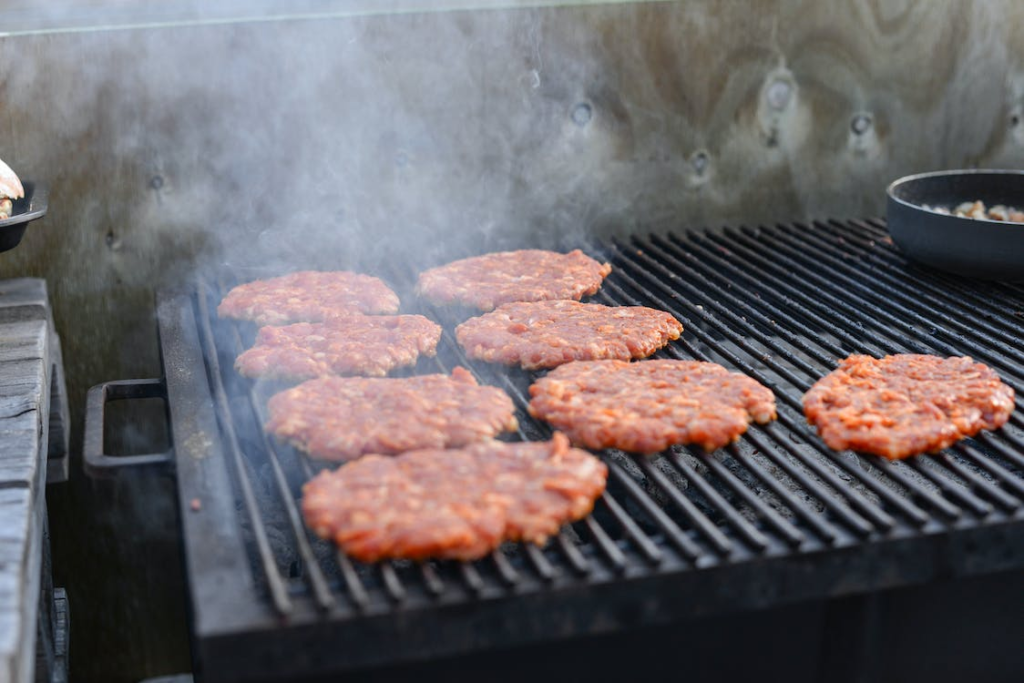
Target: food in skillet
(456,504)
(10,189)
(545,334)
(979,210)
(341,418)
(646,407)
(902,405)
(487,281)
(308,296)
(352,345)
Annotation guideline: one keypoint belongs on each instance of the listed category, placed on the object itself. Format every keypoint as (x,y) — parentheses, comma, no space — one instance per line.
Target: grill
(772,519)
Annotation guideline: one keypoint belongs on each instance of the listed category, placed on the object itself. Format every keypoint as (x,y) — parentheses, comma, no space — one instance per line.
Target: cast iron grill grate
(773,518)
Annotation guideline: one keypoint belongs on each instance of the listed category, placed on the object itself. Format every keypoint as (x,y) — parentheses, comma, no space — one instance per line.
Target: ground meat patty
(487,281)
(339,418)
(353,345)
(648,406)
(307,296)
(906,404)
(458,504)
(548,333)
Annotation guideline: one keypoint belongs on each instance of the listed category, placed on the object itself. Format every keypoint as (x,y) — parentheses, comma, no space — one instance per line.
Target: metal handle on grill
(99,464)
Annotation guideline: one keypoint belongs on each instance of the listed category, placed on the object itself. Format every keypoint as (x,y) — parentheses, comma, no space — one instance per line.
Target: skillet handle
(99,464)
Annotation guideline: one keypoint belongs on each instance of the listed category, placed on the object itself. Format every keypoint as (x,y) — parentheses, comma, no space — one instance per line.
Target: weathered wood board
(26,379)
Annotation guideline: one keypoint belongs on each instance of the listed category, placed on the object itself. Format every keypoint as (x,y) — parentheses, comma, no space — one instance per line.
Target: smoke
(348,143)
(313,143)
(326,141)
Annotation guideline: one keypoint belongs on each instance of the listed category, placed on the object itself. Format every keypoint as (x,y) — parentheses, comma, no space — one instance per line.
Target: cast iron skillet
(992,250)
(25,210)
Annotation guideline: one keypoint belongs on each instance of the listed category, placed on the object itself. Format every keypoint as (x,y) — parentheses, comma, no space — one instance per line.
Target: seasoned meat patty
(490,280)
(646,407)
(902,405)
(458,504)
(548,333)
(341,418)
(307,296)
(353,345)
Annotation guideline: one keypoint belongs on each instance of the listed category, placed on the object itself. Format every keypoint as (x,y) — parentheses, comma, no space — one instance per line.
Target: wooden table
(33,452)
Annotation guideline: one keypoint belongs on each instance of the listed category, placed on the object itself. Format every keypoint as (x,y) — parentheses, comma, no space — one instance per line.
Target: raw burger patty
(339,418)
(353,345)
(490,280)
(549,333)
(646,407)
(906,404)
(458,504)
(307,296)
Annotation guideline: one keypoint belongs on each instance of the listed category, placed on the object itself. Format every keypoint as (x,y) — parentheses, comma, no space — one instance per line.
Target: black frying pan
(993,250)
(24,211)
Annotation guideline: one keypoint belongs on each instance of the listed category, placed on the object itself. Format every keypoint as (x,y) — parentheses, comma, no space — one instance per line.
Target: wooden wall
(173,149)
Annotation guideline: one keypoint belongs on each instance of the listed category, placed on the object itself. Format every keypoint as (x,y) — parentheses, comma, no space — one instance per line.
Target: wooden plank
(26,380)
(27,326)
(19,449)
(27,386)
(23,388)
(31,580)
(13,406)
(19,582)
(21,514)
(16,398)
(13,523)
(14,348)
(22,380)
(9,614)
(23,339)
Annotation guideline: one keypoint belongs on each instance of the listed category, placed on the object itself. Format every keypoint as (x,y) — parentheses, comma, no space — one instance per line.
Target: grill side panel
(221,585)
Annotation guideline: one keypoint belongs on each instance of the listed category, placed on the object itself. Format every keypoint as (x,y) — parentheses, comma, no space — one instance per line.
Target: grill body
(774,519)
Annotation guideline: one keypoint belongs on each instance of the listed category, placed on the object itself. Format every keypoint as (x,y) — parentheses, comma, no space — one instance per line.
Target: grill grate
(781,304)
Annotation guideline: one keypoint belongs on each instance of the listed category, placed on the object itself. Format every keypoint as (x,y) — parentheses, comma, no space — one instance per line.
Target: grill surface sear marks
(458,504)
(646,407)
(906,404)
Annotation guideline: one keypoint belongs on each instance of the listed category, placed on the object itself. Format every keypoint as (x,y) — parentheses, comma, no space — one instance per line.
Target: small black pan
(988,249)
(24,211)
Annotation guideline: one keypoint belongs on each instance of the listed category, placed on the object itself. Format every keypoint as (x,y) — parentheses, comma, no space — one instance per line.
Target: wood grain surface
(25,333)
